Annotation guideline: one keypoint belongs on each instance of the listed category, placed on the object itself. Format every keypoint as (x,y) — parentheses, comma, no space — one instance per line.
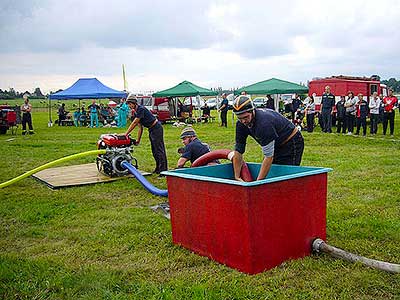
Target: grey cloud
(64,26)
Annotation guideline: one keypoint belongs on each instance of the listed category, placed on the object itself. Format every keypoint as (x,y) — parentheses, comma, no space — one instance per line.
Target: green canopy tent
(185,89)
(273,86)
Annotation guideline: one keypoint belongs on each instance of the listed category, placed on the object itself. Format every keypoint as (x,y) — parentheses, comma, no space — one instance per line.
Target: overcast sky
(50,44)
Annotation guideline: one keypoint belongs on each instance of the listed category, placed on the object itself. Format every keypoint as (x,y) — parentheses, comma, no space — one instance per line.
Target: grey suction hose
(319,245)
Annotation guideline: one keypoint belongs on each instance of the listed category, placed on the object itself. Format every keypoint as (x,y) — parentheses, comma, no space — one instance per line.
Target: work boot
(31,132)
(24,132)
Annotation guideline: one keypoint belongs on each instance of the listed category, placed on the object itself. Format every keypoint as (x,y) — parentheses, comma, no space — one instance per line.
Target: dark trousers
(349,122)
(374,123)
(26,118)
(340,125)
(223,118)
(326,121)
(60,119)
(388,117)
(291,152)
(310,122)
(361,122)
(156,136)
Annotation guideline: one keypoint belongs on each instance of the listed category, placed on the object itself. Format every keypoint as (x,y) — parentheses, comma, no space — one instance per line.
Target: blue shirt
(225,101)
(145,116)
(328,101)
(93,108)
(268,126)
(195,149)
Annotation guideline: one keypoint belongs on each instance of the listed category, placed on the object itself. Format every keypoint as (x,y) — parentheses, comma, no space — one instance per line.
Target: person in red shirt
(389,104)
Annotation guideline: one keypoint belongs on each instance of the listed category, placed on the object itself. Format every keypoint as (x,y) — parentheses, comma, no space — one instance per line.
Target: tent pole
(50,121)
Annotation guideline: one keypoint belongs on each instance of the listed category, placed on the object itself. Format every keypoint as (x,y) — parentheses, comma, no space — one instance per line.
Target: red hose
(222,154)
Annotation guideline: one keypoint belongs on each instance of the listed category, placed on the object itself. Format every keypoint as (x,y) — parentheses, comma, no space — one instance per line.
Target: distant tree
(376,77)
(392,83)
(38,92)
(12,93)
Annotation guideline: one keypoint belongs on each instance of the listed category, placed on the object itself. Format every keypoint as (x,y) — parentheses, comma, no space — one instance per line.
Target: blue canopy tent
(86,88)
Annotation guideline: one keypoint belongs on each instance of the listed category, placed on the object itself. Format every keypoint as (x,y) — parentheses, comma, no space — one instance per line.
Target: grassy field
(103,242)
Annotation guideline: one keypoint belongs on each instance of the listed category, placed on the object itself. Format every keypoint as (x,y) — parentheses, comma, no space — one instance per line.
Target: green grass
(103,242)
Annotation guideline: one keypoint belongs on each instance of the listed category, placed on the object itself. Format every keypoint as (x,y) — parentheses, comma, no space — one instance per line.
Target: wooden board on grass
(75,175)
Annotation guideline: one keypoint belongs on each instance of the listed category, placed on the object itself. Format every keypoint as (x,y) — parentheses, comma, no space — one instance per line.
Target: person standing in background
(26,109)
(310,113)
(389,104)
(94,113)
(361,114)
(296,104)
(340,115)
(327,103)
(122,113)
(270,103)
(350,106)
(224,110)
(374,105)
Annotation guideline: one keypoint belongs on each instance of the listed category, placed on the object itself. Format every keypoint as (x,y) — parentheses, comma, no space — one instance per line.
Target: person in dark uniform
(206,113)
(270,103)
(193,149)
(26,109)
(296,102)
(340,115)
(281,142)
(224,110)
(327,103)
(361,114)
(62,114)
(144,118)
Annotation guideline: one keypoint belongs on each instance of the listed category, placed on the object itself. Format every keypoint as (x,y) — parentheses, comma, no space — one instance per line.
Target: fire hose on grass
(50,164)
(147,185)
(319,245)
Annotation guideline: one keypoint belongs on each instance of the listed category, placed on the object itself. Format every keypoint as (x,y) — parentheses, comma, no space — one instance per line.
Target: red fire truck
(341,85)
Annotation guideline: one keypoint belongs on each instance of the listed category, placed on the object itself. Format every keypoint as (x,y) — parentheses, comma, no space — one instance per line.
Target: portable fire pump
(8,118)
(119,149)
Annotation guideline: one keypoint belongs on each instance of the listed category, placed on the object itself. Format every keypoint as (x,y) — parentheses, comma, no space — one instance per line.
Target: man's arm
(132,126)
(265,167)
(181,162)
(139,134)
(237,162)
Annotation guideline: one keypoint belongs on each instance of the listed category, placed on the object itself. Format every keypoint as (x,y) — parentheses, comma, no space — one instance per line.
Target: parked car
(195,103)
(259,102)
(212,103)
(231,98)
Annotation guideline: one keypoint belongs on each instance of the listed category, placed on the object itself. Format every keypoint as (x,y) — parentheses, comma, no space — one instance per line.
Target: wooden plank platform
(75,175)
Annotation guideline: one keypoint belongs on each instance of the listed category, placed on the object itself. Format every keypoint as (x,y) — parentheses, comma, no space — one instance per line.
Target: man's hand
(239,179)
(137,143)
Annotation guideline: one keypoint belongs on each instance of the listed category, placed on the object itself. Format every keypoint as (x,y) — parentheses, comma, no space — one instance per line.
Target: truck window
(373,88)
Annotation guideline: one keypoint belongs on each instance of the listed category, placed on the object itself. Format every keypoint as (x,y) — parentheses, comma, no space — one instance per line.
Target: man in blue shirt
(280,140)
(193,149)
(144,118)
(224,110)
(327,103)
